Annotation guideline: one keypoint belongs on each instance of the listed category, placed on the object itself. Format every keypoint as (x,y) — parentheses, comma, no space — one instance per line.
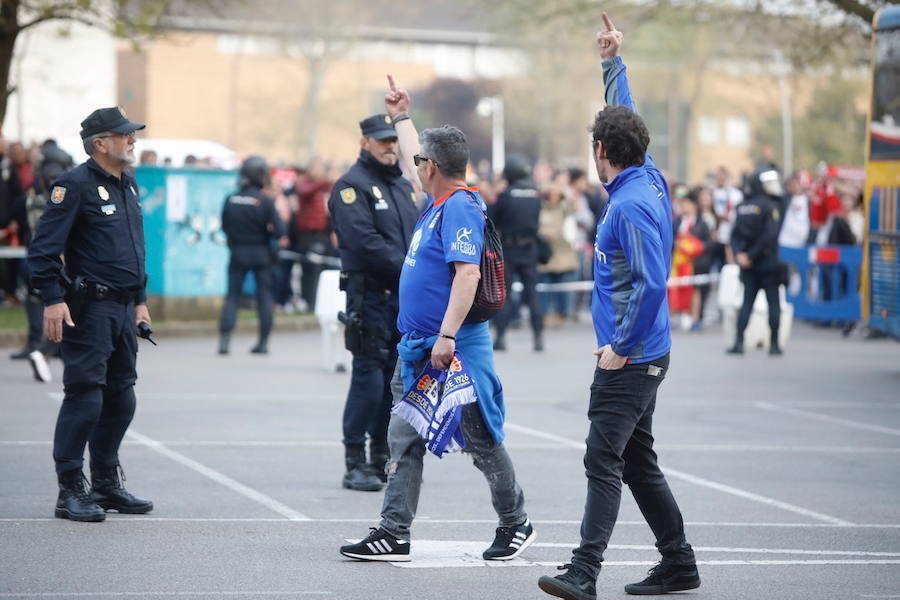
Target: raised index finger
(608,22)
(391,83)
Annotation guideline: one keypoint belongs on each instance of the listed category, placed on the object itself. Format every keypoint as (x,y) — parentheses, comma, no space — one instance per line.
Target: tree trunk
(9,31)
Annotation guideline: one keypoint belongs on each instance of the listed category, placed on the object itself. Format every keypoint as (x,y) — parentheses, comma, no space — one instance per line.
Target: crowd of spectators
(817,209)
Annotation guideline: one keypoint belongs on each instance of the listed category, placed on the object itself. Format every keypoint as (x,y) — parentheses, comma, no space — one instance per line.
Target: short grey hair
(88,142)
(447,147)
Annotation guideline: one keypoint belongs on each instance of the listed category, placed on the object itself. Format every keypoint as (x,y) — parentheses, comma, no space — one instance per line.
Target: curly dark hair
(624,135)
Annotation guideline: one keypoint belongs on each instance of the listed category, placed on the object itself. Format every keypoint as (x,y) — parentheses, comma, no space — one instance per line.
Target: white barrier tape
(313,257)
(586,286)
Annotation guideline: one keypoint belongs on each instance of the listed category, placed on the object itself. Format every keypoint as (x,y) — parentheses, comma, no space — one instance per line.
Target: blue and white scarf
(433,405)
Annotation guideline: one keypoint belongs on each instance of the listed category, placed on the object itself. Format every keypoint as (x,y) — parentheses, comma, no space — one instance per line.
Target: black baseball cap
(108,119)
(379,127)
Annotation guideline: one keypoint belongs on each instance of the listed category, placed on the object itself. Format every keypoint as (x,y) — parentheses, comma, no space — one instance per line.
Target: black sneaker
(380,545)
(666,577)
(510,542)
(574,584)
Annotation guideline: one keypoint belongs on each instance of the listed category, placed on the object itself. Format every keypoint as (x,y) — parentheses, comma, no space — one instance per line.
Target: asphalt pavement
(786,471)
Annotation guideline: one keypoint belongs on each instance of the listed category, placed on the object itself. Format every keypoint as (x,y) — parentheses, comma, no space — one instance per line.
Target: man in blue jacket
(632,259)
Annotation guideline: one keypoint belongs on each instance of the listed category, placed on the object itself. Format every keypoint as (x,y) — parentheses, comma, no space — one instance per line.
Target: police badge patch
(376,192)
(348,195)
(57,195)
(101,191)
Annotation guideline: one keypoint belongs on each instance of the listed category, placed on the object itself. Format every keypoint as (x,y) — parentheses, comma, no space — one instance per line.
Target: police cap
(379,127)
(108,119)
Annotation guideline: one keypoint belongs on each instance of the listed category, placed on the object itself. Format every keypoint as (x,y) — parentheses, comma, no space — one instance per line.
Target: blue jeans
(401,498)
(620,449)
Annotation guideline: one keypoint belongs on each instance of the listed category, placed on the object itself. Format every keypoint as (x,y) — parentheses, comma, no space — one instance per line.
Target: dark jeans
(620,449)
(526,271)
(237,271)
(368,407)
(753,282)
(100,354)
(318,242)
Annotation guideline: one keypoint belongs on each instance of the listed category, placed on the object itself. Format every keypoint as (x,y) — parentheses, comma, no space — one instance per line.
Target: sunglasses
(419,160)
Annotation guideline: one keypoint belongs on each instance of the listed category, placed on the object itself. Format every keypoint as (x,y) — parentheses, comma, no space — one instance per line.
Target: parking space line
(826,418)
(220,478)
(425,521)
(714,549)
(148,594)
(700,481)
(513,445)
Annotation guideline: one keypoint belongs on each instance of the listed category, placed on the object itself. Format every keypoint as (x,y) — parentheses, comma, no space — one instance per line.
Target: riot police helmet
(517,168)
(254,172)
(765,181)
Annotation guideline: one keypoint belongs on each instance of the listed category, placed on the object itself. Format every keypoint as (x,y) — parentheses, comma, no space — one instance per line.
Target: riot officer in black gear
(516,214)
(253,229)
(373,210)
(754,240)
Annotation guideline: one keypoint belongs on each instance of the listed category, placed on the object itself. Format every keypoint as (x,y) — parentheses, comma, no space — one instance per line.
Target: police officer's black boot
(539,341)
(738,347)
(261,347)
(224,342)
(378,458)
(500,341)
(109,492)
(74,501)
(774,348)
(358,477)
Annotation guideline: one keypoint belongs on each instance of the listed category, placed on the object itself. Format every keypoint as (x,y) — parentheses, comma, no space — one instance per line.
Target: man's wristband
(449,337)
(401,117)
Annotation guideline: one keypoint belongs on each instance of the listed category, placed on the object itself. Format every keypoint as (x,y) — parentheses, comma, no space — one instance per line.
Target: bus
(881,270)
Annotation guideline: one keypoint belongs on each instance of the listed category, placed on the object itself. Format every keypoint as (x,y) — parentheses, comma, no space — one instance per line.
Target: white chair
(329,301)
(731,296)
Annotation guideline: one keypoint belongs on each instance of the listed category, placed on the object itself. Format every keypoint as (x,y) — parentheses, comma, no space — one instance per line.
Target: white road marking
(720,487)
(716,448)
(152,594)
(828,419)
(235,486)
(714,549)
(426,520)
(220,478)
(433,554)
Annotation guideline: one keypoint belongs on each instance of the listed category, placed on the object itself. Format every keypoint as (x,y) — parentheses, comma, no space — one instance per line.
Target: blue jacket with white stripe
(632,251)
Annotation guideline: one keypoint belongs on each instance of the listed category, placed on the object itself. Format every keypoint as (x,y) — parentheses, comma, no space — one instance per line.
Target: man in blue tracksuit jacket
(632,260)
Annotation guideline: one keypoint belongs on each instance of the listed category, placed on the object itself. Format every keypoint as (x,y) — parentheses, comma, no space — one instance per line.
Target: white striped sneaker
(380,545)
(510,542)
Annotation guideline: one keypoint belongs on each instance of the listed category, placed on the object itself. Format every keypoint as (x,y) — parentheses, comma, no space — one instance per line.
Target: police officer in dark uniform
(374,212)
(754,240)
(94,301)
(253,229)
(516,215)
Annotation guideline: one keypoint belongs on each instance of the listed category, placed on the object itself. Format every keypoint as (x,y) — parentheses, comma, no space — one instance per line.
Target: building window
(737,131)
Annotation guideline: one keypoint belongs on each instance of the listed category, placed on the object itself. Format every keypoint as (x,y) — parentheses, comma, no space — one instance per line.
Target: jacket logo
(57,195)
(348,195)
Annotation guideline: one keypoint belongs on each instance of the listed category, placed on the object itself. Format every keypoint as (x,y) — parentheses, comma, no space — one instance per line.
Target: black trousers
(620,449)
(259,263)
(369,399)
(525,269)
(754,281)
(100,355)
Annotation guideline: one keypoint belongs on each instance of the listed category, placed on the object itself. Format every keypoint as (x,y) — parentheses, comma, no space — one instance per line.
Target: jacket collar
(92,164)
(388,172)
(629,174)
